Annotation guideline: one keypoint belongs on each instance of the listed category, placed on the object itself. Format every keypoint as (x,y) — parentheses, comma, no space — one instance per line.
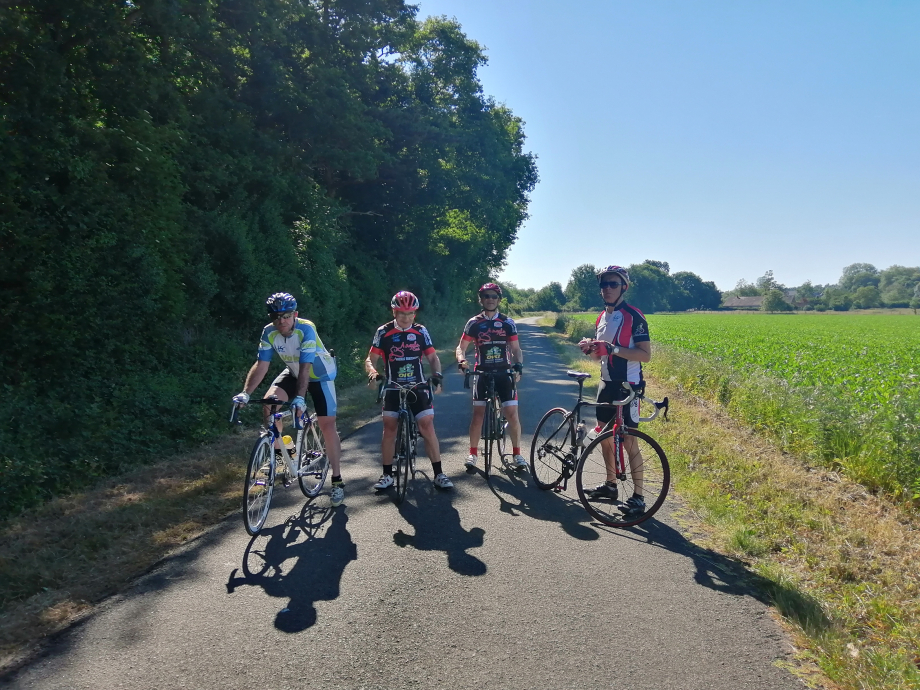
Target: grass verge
(838,563)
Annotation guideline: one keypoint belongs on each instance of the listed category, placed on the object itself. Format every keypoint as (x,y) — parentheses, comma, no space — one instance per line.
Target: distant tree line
(861,286)
(167,164)
(654,288)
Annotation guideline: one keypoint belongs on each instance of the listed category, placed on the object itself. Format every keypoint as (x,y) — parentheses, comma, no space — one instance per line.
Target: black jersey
(492,338)
(402,350)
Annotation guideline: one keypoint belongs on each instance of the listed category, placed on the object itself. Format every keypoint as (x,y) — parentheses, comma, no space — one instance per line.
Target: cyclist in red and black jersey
(497,349)
(622,343)
(402,344)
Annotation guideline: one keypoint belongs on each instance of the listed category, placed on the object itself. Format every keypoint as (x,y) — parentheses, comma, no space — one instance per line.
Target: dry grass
(57,561)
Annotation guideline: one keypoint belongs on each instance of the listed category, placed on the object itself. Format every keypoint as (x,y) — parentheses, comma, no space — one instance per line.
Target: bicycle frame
(404,458)
(302,422)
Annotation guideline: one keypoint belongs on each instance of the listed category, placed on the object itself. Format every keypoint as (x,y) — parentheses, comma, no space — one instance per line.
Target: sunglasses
(611,284)
(489,296)
(283,317)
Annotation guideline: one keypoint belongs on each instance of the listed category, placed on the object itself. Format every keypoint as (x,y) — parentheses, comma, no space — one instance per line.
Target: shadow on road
(437,528)
(729,575)
(318,563)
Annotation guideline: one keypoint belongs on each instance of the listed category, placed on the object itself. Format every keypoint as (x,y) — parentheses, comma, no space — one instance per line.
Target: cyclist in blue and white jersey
(625,328)
(310,368)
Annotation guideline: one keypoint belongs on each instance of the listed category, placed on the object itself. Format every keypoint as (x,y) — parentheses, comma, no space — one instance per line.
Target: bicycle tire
(548,452)
(312,449)
(501,431)
(402,460)
(487,434)
(258,485)
(656,479)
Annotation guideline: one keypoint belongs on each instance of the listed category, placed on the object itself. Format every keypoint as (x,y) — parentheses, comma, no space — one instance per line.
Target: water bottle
(581,433)
(594,433)
(288,444)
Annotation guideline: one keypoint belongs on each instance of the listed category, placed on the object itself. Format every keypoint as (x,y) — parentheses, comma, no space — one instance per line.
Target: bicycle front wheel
(258,485)
(402,462)
(488,423)
(548,452)
(313,465)
(646,473)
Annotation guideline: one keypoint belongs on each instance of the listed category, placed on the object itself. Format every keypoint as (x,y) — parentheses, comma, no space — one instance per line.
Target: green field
(844,389)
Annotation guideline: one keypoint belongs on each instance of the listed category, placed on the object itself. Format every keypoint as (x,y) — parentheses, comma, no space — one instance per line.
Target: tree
(806,292)
(663,265)
(651,289)
(897,284)
(548,298)
(867,297)
(774,300)
(767,282)
(915,300)
(856,276)
(743,289)
(693,293)
(582,291)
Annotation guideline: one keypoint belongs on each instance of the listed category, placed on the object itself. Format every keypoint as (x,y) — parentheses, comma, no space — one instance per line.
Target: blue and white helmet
(280,303)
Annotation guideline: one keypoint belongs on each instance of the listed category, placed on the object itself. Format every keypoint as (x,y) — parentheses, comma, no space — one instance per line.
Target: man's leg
(333,443)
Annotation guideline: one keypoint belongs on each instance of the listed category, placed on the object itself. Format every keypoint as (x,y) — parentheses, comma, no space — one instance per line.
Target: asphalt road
(492,585)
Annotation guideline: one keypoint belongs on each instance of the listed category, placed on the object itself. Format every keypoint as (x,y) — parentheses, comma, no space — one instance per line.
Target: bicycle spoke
(258,485)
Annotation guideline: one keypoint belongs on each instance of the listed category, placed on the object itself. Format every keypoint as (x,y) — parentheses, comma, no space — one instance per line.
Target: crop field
(842,388)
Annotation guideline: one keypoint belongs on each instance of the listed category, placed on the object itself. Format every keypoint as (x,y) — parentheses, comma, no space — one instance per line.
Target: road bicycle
(308,462)
(494,424)
(562,447)
(406,433)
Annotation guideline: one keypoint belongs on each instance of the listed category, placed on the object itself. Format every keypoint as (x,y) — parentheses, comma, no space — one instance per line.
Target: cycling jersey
(302,346)
(625,327)
(402,350)
(492,337)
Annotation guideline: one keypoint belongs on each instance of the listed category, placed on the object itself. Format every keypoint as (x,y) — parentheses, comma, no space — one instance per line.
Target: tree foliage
(168,164)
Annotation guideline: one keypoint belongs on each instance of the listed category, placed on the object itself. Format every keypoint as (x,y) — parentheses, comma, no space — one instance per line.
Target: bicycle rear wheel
(548,450)
(258,485)
(313,465)
(647,474)
(402,462)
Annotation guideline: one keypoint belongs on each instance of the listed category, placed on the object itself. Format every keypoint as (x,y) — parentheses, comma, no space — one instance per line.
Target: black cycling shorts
(419,403)
(610,391)
(321,392)
(504,389)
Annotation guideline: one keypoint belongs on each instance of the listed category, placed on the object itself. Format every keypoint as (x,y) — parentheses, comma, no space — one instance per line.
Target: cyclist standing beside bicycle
(402,343)
(622,343)
(310,367)
(497,349)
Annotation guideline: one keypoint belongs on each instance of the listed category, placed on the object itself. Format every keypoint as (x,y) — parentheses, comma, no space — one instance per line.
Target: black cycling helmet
(280,303)
(491,286)
(619,270)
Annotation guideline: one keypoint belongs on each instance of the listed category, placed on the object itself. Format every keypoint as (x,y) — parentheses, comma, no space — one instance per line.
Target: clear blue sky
(724,137)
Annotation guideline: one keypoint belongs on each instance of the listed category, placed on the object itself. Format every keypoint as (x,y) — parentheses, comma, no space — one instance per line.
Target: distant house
(743,302)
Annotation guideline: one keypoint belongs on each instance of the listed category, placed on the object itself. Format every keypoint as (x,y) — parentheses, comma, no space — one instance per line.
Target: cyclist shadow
(317,568)
(437,528)
(530,501)
(729,575)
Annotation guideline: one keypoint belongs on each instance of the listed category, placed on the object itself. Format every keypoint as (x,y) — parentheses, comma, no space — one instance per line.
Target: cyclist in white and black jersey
(310,368)
(621,341)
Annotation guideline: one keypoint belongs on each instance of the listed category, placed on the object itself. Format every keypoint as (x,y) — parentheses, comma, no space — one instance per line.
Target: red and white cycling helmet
(404,301)
(491,286)
(619,270)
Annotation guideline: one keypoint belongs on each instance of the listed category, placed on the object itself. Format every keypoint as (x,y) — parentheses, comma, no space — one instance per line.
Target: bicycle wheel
(550,449)
(501,431)
(313,465)
(258,485)
(647,474)
(488,420)
(403,460)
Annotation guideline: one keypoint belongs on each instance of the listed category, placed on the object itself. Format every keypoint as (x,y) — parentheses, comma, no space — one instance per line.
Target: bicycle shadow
(568,513)
(318,563)
(437,528)
(729,575)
